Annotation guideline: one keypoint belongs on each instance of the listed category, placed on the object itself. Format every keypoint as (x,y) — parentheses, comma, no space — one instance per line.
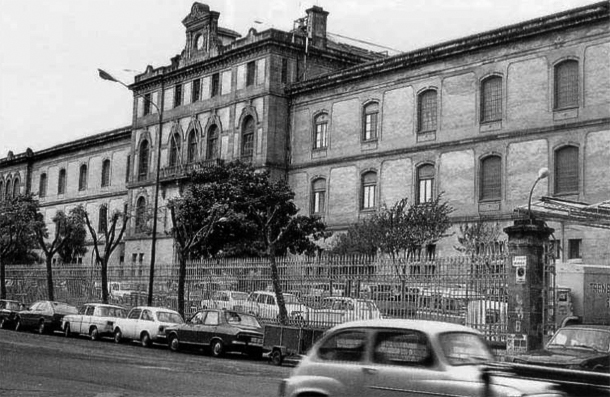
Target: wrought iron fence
(321,291)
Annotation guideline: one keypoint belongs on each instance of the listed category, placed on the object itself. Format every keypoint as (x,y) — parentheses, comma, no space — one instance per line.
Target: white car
(395,357)
(93,319)
(263,304)
(146,324)
(224,300)
(338,309)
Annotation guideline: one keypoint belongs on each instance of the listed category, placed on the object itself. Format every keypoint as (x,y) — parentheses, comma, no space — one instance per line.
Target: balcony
(182,171)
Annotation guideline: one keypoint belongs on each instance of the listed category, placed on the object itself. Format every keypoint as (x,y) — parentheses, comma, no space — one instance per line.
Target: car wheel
(41,328)
(145,339)
(94,334)
(174,343)
(67,330)
(118,336)
(276,357)
(218,348)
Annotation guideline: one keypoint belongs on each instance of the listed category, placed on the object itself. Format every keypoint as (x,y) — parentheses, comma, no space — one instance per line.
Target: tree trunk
(50,294)
(2,280)
(104,271)
(275,279)
(181,282)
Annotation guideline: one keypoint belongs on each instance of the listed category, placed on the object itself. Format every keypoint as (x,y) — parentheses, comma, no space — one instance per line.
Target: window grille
(491,99)
(369,187)
(566,170)
(427,109)
(425,183)
(566,85)
(491,178)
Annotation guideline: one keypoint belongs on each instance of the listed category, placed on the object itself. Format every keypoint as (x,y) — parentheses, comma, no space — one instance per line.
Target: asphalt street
(52,365)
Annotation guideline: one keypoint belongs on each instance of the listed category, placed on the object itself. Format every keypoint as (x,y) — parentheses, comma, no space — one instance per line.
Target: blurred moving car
(336,310)
(395,357)
(145,324)
(8,313)
(93,319)
(263,304)
(583,347)
(44,316)
(224,299)
(221,331)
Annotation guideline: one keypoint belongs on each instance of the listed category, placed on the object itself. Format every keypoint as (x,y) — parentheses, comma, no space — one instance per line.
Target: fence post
(525,284)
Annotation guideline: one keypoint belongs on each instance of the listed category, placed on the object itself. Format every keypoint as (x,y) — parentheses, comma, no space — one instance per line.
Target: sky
(50,92)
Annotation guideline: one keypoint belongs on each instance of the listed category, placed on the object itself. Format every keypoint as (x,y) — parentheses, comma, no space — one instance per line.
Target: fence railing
(470,290)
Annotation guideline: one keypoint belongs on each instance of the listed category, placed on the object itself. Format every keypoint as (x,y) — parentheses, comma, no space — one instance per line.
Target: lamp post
(106,76)
(542,173)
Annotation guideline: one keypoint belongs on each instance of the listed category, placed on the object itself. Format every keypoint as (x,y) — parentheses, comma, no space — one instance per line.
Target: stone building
(351,129)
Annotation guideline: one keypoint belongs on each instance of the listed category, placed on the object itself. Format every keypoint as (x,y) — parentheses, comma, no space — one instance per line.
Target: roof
(426,326)
(103,305)
(589,326)
(155,309)
(555,209)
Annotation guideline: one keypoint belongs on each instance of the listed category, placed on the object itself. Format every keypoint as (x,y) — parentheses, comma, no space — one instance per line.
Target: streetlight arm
(542,173)
(107,76)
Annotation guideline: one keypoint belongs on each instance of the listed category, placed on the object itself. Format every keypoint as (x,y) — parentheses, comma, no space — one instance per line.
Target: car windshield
(64,309)
(112,312)
(463,348)
(239,296)
(241,319)
(169,317)
(581,338)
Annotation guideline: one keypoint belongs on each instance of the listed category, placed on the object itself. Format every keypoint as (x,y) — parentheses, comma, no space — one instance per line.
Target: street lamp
(542,173)
(106,76)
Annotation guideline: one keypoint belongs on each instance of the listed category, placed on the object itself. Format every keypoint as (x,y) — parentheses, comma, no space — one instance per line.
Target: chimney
(316,26)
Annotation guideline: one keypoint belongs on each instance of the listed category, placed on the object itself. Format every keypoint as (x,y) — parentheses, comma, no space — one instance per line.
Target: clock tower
(201,31)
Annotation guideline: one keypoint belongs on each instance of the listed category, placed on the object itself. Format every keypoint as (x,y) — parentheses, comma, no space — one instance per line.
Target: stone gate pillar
(525,283)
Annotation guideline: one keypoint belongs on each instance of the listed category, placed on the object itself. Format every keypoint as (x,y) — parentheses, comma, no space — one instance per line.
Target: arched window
(143,161)
(174,150)
(320,128)
(318,195)
(106,173)
(141,215)
(191,155)
(82,178)
(425,183)
(491,178)
(566,84)
(212,152)
(369,121)
(369,190)
(42,186)
(491,99)
(247,136)
(427,111)
(8,192)
(16,187)
(102,223)
(566,170)
(61,182)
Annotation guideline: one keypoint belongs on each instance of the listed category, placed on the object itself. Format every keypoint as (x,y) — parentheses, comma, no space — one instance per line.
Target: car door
(403,363)
(77,320)
(86,319)
(29,317)
(207,330)
(190,332)
(146,323)
(129,327)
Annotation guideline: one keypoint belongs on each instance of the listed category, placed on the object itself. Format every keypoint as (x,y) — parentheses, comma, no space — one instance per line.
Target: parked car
(336,310)
(44,316)
(220,330)
(145,324)
(224,299)
(393,357)
(263,304)
(8,313)
(583,347)
(93,319)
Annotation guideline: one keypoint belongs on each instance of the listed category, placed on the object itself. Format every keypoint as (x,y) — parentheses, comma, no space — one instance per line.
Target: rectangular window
(128,168)
(566,170)
(427,111)
(178,95)
(284,72)
(491,99)
(566,85)
(215,87)
(250,73)
(491,181)
(195,91)
(574,249)
(556,248)
(369,197)
(147,104)
(318,202)
(321,129)
(425,190)
(370,126)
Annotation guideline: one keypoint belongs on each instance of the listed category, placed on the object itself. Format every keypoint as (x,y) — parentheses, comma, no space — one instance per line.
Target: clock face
(199,42)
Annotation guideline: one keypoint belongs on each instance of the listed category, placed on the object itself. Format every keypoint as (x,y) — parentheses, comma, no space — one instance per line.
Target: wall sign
(520,260)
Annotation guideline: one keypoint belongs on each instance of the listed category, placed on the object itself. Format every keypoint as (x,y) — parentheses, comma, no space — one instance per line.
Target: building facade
(351,129)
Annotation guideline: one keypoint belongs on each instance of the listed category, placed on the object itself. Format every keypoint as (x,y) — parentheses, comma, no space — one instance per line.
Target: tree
(474,236)
(69,231)
(17,225)
(109,236)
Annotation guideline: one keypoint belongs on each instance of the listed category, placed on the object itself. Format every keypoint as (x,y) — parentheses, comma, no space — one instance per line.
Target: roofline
(561,20)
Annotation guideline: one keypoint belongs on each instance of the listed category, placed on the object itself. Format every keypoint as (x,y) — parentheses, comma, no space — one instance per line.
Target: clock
(199,42)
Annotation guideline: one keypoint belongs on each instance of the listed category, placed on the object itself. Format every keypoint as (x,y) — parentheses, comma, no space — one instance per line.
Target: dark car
(583,347)
(219,330)
(8,313)
(44,316)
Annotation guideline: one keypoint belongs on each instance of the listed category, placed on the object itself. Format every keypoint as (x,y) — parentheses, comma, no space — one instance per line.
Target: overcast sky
(50,50)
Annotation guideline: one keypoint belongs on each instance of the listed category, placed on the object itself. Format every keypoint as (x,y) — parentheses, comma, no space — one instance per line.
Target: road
(52,365)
